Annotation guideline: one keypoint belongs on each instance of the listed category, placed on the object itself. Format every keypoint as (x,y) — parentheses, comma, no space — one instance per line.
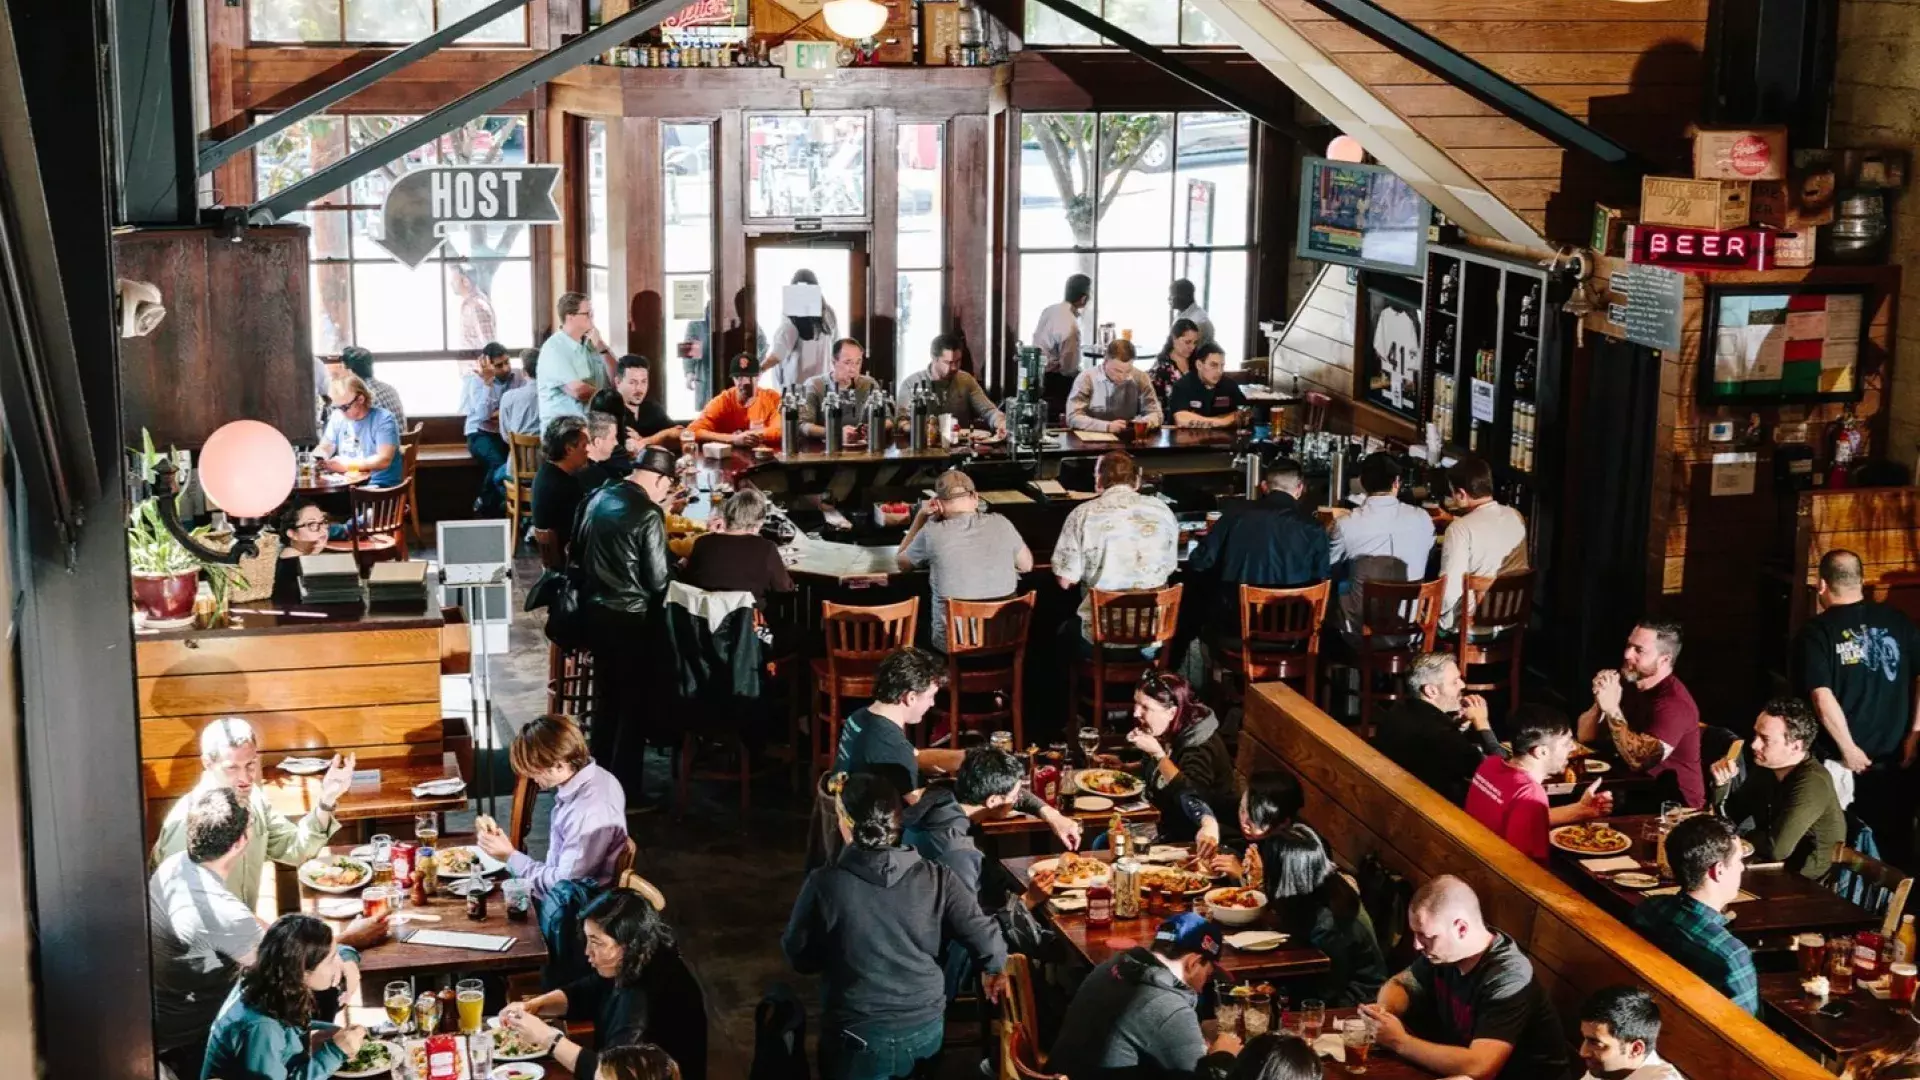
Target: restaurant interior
(523,458)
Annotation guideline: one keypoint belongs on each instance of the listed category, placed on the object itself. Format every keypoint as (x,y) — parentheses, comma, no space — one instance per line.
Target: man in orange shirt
(745,415)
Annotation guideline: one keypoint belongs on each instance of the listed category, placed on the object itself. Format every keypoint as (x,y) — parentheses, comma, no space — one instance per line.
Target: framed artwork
(1780,344)
(1389,346)
(809,168)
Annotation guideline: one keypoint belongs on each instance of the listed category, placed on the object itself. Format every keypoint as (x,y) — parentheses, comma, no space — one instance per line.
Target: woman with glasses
(305,533)
(1187,770)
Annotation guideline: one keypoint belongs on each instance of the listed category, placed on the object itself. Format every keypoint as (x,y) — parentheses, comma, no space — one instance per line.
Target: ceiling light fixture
(856,20)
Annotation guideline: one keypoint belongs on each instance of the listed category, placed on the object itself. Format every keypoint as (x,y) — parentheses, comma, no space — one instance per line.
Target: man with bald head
(1468,1005)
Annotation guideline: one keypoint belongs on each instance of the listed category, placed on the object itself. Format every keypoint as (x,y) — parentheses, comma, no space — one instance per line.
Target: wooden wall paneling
(640,250)
(971,224)
(883,253)
(299,729)
(241,692)
(733,303)
(226,36)
(167,778)
(1516,10)
(273,77)
(224,653)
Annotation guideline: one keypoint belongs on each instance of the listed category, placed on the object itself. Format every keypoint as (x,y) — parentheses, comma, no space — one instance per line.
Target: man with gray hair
(230,758)
(1438,732)
(732,556)
(969,555)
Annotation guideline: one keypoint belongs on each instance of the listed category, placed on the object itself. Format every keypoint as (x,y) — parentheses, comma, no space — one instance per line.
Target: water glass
(1258,1014)
(1671,813)
(1313,1019)
(517,893)
(1227,1008)
(1089,745)
(1001,740)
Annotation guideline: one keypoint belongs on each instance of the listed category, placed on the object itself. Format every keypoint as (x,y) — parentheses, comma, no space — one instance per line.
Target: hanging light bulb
(856,20)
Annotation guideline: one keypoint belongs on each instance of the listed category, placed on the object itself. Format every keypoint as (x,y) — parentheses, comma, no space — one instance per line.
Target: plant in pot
(166,576)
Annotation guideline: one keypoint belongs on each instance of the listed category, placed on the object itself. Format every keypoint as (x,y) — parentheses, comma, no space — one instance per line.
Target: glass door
(837,261)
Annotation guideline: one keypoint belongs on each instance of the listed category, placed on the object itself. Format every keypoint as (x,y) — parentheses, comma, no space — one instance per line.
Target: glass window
(686,160)
(1137,200)
(1160,22)
(420,323)
(598,241)
(921,285)
(812,165)
(376,21)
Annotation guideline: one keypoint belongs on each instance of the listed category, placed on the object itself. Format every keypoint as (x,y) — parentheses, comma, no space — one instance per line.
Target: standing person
(201,935)
(1270,543)
(1175,361)
(969,555)
(904,686)
(481,393)
(1649,714)
(871,925)
(1438,731)
(230,758)
(1205,397)
(1469,1004)
(573,360)
(1187,309)
(1618,1029)
(359,361)
(642,423)
(476,308)
(746,415)
(955,392)
(1689,925)
(1509,796)
(1187,770)
(520,406)
(267,1029)
(853,386)
(1136,1014)
(1383,539)
(1786,804)
(1057,335)
(587,834)
(1117,540)
(360,436)
(1486,539)
(622,542)
(1111,397)
(801,346)
(1857,666)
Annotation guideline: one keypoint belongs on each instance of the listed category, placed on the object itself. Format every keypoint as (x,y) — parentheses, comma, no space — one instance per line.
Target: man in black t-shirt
(641,423)
(1856,661)
(576,450)
(1204,397)
(1469,1005)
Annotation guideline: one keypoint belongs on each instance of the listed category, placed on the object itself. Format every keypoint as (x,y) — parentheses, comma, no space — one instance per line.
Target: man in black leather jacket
(622,544)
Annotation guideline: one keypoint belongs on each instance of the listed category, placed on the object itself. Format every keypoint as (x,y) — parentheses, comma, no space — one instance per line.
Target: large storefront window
(922,245)
(1136,200)
(1161,22)
(374,22)
(686,166)
(596,230)
(421,324)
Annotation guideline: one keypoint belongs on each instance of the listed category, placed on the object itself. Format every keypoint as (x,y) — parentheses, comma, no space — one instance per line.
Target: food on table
(1175,879)
(680,546)
(1592,838)
(517,1072)
(681,526)
(1109,782)
(458,861)
(373,1055)
(1253,870)
(335,872)
(1235,898)
(1071,871)
(509,1044)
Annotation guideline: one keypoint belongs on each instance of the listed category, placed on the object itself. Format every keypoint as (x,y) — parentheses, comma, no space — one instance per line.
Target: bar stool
(856,640)
(1495,612)
(1124,624)
(1279,640)
(1399,620)
(553,550)
(376,525)
(987,653)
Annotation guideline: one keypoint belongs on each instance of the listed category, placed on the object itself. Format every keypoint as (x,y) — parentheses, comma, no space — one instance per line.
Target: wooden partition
(1366,805)
(1881,525)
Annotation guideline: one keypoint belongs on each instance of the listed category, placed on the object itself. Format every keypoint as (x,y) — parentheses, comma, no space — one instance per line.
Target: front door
(838,261)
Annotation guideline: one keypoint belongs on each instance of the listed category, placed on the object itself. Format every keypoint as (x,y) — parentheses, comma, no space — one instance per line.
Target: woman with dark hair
(1176,357)
(263,1029)
(803,344)
(1188,771)
(1896,1057)
(1313,900)
(1276,1057)
(871,924)
(643,1062)
(303,531)
(639,991)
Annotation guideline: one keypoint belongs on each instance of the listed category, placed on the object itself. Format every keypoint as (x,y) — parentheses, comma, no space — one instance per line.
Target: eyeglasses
(309,526)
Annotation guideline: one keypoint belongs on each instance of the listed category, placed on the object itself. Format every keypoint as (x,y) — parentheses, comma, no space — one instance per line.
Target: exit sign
(1678,248)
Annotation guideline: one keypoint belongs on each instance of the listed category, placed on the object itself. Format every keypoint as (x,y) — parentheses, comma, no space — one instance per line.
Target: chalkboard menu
(1651,314)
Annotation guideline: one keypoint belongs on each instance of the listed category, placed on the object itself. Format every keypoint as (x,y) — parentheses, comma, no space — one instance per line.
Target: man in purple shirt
(588,835)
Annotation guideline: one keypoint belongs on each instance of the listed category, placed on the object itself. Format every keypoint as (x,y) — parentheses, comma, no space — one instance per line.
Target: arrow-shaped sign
(423,204)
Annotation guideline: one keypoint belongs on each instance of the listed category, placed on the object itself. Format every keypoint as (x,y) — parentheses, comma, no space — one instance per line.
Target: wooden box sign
(939,31)
(1695,204)
(1699,249)
(1740,154)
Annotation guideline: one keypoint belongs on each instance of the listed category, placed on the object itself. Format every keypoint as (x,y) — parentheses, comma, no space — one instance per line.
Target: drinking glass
(426,829)
(1813,955)
(426,1010)
(1356,1036)
(382,845)
(1089,744)
(399,1002)
(1313,1018)
(470,997)
(374,902)
(1671,812)
(1227,1009)
(1001,740)
(517,895)
(1256,1016)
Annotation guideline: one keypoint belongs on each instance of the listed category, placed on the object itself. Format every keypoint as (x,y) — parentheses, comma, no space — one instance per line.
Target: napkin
(1246,938)
(1167,853)
(1330,1045)
(1612,865)
(1664,890)
(451,785)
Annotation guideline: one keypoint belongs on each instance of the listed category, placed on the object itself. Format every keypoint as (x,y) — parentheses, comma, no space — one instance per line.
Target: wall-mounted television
(1783,344)
(1362,215)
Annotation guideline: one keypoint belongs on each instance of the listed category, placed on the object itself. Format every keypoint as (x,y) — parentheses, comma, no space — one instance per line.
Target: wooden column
(732,302)
(633,210)
(969,187)
(883,252)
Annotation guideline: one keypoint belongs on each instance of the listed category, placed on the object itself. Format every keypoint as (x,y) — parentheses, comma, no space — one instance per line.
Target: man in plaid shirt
(1706,859)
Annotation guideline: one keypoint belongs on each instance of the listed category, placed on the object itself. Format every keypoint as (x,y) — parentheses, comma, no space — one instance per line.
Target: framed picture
(804,169)
(1388,375)
(1783,344)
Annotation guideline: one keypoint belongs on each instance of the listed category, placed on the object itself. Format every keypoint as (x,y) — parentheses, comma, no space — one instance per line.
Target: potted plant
(166,576)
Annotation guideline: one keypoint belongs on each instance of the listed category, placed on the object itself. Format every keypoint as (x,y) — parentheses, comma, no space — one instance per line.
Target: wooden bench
(1366,805)
(445,455)
(1881,525)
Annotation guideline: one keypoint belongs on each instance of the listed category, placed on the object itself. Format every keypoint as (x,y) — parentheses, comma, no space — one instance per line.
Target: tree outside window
(375,22)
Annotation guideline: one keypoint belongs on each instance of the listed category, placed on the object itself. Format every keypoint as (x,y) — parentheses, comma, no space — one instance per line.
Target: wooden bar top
(1057,444)
(266,617)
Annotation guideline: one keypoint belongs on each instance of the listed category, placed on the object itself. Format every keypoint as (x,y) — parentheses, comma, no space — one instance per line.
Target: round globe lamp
(247,468)
(856,20)
(1346,148)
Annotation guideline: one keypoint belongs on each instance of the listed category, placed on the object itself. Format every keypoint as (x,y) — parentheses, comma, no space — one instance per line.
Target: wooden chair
(523,460)
(987,654)
(376,525)
(553,552)
(624,865)
(1017,1007)
(410,461)
(630,880)
(1493,629)
(520,818)
(1875,885)
(1279,639)
(1018,1055)
(570,683)
(856,639)
(1399,620)
(1124,623)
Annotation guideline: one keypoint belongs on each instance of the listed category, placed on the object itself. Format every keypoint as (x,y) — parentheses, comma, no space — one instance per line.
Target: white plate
(1596,766)
(304,766)
(394,1058)
(337,889)
(1069,903)
(1132,783)
(1634,879)
(518,1070)
(493,1022)
(336,907)
(1256,940)
(1092,803)
(488,864)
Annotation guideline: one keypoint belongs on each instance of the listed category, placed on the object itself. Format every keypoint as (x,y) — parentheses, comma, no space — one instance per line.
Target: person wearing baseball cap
(1136,1014)
(747,414)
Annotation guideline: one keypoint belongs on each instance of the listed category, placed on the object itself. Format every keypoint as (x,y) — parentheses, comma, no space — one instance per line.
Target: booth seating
(1366,806)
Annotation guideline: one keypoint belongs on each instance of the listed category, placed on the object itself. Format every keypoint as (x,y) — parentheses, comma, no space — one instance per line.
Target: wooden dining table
(329,483)
(1862,1021)
(1779,902)
(391,796)
(399,955)
(1380,1064)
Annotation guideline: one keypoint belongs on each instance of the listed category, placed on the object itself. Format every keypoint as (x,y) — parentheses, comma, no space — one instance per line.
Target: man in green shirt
(230,757)
(573,361)
(1786,805)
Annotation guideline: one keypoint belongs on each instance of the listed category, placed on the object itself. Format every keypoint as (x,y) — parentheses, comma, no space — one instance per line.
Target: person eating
(746,415)
(1187,770)
(1137,1013)
(587,834)
(268,1029)
(1509,795)
(1786,804)
(955,392)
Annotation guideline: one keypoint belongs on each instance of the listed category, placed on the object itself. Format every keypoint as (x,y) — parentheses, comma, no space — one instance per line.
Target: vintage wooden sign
(1678,248)
(421,206)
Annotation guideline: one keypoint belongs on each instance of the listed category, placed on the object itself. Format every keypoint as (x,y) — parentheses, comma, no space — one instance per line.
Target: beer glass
(470,998)
(399,1002)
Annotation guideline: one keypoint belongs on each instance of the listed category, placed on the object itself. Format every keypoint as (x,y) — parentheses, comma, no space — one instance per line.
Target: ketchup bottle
(1100,905)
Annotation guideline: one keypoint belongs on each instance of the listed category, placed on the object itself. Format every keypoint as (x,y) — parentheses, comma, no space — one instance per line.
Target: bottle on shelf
(1449,283)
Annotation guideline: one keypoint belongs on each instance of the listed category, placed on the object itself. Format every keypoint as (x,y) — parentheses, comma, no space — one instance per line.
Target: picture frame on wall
(1784,344)
(1388,374)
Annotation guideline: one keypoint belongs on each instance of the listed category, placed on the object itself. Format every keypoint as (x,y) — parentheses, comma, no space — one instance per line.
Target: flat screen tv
(1362,215)
(1783,344)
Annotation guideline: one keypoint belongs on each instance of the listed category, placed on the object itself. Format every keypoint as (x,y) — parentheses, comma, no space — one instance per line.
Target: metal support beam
(1227,95)
(448,117)
(1490,88)
(212,155)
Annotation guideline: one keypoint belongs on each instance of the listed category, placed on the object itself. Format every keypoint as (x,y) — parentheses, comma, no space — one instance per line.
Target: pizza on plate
(1592,838)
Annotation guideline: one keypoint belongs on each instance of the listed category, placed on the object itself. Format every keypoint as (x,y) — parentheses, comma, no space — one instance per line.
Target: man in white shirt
(1180,299)
(1383,539)
(1618,1027)
(1057,336)
(1119,539)
(1486,539)
(200,934)
(574,361)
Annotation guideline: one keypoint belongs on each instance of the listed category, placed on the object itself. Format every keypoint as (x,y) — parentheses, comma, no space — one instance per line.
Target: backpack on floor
(779,1036)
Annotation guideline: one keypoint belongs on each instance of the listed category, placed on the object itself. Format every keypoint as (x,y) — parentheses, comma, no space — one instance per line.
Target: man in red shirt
(1649,715)
(1509,796)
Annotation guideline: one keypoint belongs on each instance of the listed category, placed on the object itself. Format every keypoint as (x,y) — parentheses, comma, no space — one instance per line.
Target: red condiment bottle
(1100,905)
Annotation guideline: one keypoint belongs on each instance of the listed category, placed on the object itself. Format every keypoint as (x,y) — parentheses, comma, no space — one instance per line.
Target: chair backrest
(1017,1006)
(1875,885)
(570,683)
(527,456)
(1135,618)
(1498,603)
(1283,618)
(412,434)
(624,865)
(1401,611)
(630,880)
(553,552)
(987,627)
(1019,1058)
(379,511)
(860,633)
(409,458)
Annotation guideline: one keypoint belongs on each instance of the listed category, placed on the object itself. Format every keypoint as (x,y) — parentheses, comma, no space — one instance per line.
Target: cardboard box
(895,42)
(1792,250)
(1740,153)
(939,31)
(1695,204)
(1801,201)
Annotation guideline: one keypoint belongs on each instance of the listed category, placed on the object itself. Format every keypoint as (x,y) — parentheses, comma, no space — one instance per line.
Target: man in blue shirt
(360,436)
(480,396)
(573,360)
(520,406)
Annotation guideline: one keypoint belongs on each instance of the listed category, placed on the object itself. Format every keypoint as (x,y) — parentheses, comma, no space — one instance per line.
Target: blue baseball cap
(1191,933)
